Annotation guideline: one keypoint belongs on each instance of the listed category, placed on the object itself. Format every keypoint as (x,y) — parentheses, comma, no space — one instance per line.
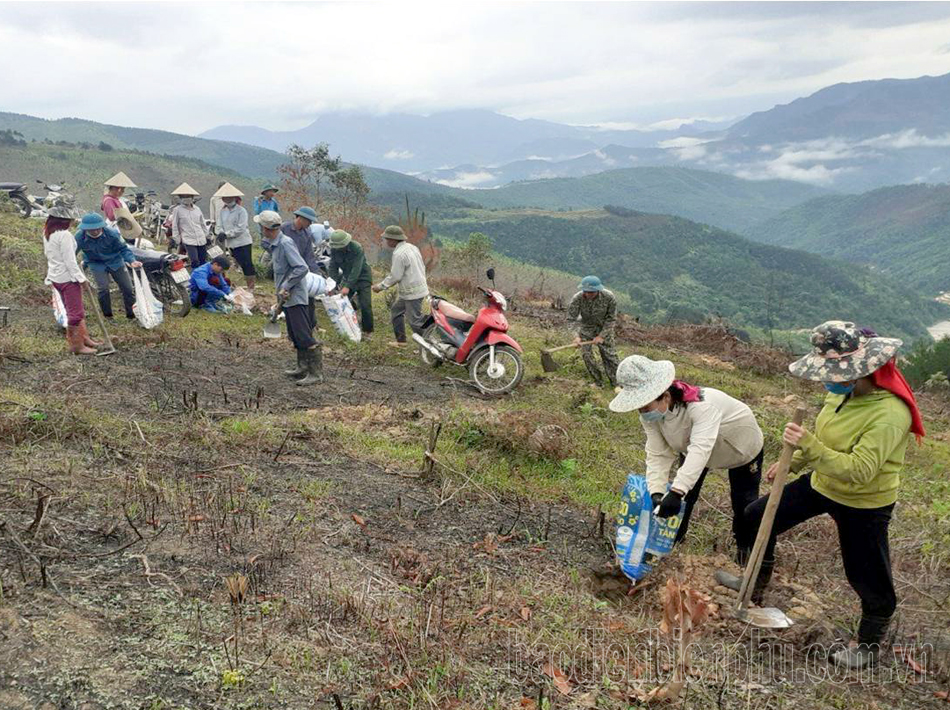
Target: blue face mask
(839,387)
(653,416)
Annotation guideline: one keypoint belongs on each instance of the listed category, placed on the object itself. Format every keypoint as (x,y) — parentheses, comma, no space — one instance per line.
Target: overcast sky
(189,67)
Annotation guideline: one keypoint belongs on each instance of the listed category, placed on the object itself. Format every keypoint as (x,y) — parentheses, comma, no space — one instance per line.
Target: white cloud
(908,139)
(604,158)
(395,154)
(685,148)
(468,179)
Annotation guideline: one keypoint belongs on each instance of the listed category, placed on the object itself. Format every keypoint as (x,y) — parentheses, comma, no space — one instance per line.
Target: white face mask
(229,202)
(187,201)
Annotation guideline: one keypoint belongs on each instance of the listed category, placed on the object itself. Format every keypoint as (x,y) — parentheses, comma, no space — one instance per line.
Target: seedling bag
(343,317)
(642,539)
(148,310)
(59,309)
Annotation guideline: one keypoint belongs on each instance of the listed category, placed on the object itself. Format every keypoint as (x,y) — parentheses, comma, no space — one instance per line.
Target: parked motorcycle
(168,278)
(30,204)
(478,342)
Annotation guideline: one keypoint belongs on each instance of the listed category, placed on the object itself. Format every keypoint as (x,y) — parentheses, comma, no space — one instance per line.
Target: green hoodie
(858,452)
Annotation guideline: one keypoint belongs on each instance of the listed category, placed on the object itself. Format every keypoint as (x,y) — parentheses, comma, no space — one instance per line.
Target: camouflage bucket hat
(64,208)
(842,353)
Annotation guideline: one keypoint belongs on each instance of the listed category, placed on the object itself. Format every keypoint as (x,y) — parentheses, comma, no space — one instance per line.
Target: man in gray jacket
(408,272)
(289,271)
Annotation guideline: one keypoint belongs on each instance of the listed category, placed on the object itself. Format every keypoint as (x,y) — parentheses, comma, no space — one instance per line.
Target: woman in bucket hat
(699,428)
(63,272)
(855,455)
(107,255)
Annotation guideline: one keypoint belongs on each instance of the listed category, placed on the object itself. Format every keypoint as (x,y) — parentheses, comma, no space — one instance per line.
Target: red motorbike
(479,343)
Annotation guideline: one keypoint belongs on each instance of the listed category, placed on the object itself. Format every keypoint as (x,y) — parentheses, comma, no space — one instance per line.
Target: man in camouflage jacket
(596,309)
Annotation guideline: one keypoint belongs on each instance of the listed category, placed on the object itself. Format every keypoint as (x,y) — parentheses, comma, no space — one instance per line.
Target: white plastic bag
(148,310)
(343,317)
(59,309)
(244,300)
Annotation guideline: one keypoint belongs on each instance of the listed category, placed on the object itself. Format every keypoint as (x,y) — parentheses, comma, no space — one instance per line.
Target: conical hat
(185,189)
(129,228)
(228,190)
(120,179)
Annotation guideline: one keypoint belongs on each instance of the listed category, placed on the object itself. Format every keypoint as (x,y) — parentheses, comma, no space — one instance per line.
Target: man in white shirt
(408,273)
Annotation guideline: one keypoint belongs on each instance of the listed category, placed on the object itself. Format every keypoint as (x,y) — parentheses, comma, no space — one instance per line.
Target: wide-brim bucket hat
(591,284)
(307,213)
(185,190)
(339,239)
(64,207)
(120,179)
(228,190)
(269,188)
(841,353)
(92,220)
(394,232)
(642,380)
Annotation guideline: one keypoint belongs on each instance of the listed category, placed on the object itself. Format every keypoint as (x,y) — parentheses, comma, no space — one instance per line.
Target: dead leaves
(359,520)
(684,608)
(489,545)
(558,678)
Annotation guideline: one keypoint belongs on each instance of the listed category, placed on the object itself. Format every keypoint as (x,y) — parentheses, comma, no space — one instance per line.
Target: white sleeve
(67,247)
(660,458)
(703,435)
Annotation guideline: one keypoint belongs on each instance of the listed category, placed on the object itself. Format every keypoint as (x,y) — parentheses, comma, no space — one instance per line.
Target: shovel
(272,328)
(109,348)
(766,617)
(549,363)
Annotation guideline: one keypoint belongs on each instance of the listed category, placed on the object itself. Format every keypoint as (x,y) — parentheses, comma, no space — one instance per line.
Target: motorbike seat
(453,312)
(12,186)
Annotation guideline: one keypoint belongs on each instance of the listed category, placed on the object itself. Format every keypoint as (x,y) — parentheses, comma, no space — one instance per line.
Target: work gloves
(669,505)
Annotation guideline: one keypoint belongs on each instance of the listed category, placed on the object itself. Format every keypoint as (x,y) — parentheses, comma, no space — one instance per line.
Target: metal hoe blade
(272,330)
(765,618)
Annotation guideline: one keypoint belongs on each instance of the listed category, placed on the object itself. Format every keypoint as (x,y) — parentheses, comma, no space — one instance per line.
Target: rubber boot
(868,649)
(86,338)
(301,368)
(731,581)
(314,361)
(76,345)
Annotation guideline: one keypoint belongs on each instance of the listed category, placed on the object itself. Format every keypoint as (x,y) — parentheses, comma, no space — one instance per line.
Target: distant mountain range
(902,231)
(848,137)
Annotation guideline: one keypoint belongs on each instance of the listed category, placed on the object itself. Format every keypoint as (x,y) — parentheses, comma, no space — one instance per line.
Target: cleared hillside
(902,231)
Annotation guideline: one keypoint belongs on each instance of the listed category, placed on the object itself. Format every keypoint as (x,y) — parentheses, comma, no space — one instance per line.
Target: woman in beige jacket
(698,429)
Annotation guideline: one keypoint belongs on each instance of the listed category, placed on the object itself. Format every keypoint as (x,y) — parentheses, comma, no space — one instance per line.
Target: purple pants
(71,293)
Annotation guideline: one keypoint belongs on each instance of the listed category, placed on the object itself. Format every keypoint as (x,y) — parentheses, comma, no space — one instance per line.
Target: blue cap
(92,221)
(591,284)
(307,213)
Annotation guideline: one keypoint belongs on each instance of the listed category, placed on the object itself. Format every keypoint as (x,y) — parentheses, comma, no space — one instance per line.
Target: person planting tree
(855,454)
(209,286)
(106,254)
(699,427)
(353,275)
(596,309)
(289,272)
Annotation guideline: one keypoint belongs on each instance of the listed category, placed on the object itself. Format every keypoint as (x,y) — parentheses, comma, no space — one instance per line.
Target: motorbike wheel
(430,335)
(23,204)
(509,369)
(174,296)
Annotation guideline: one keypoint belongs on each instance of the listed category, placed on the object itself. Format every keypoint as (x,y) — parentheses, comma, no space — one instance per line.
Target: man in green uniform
(596,309)
(353,275)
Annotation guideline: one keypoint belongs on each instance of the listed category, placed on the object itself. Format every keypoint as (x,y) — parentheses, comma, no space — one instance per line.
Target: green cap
(591,284)
(394,232)
(268,187)
(340,239)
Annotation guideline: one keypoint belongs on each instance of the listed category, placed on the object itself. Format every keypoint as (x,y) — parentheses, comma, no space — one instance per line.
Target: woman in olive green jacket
(855,456)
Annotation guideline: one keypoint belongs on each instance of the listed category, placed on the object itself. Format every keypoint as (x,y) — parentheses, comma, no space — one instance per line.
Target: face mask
(229,203)
(839,387)
(187,201)
(653,416)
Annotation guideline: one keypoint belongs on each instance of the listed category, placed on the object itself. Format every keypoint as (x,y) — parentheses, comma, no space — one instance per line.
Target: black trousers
(865,549)
(743,489)
(196,255)
(124,280)
(300,326)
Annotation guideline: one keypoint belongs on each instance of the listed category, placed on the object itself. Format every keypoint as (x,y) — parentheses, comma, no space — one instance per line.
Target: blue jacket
(289,270)
(199,282)
(106,253)
(261,205)
(305,242)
